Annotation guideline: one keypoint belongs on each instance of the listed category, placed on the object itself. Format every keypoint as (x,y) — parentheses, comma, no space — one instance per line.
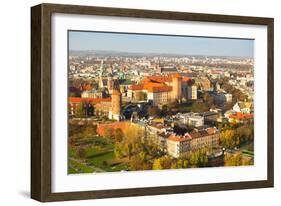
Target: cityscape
(153,102)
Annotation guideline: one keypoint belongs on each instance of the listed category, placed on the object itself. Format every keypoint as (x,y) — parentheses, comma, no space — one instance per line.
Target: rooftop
(240,116)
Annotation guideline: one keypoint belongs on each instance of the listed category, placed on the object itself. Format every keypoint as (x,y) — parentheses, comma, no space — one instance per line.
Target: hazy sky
(160,44)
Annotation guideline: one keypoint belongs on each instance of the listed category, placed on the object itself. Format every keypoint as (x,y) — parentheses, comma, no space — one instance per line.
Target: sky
(164,44)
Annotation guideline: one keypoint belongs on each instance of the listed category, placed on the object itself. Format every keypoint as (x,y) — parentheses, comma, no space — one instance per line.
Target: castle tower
(115,112)
(101,81)
(101,75)
(177,85)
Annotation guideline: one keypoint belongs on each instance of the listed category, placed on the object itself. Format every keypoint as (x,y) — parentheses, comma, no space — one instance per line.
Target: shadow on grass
(99,154)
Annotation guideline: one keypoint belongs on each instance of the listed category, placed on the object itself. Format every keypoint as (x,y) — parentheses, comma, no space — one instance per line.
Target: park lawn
(117,167)
(104,158)
(99,157)
(77,167)
(71,152)
(71,170)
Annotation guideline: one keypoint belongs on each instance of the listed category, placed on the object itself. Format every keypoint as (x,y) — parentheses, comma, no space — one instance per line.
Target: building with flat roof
(191,119)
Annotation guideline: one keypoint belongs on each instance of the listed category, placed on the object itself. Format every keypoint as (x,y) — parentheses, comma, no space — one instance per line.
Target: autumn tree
(109,133)
(245,133)
(80,110)
(227,138)
(131,142)
(179,163)
(138,162)
(198,158)
(247,161)
(119,135)
(81,152)
(233,159)
(157,164)
(162,163)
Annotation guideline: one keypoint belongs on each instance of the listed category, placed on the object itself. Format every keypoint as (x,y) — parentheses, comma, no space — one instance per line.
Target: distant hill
(101,53)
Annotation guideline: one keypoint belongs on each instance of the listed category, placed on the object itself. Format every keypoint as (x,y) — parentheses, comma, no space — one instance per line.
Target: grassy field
(99,157)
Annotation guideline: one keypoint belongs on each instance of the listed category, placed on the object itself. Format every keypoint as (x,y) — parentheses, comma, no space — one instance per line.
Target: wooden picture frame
(41,96)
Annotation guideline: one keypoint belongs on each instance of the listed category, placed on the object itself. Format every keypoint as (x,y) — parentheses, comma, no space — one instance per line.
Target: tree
(153,111)
(157,164)
(227,138)
(162,163)
(233,159)
(109,133)
(89,131)
(119,135)
(199,107)
(180,163)
(247,161)
(135,163)
(80,110)
(81,152)
(245,133)
(118,150)
(208,99)
(199,158)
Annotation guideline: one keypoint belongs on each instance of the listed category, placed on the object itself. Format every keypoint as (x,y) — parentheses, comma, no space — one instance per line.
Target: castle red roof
(157,83)
(157,79)
(136,87)
(160,89)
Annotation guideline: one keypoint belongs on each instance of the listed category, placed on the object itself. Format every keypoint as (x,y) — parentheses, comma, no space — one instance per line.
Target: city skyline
(160,44)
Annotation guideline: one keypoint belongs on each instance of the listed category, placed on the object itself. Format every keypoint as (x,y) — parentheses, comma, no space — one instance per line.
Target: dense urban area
(132,112)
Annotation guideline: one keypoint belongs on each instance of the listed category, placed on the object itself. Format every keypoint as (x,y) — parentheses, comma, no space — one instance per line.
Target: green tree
(198,158)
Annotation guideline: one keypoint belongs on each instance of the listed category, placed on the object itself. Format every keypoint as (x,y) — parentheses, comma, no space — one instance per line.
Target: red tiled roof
(240,115)
(211,130)
(176,138)
(87,87)
(157,79)
(160,89)
(157,83)
(186,79)
(202,133)
(92,100)
(136,87)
